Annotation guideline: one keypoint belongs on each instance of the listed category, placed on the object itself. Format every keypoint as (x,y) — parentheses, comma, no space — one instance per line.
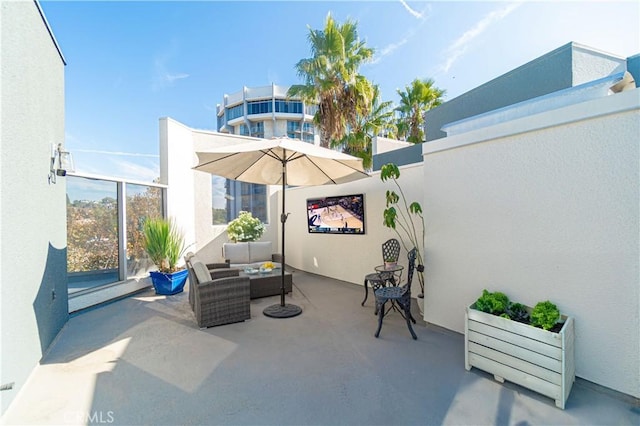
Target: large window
(230,197)
(256,130)
(310,109)
(235,112)
(308,131)
(294,131)
(294,107)
(259,107)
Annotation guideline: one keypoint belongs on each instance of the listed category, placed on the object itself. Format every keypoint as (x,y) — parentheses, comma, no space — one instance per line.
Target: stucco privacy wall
(344,257)
(33,213)
(189,193)
(544,207)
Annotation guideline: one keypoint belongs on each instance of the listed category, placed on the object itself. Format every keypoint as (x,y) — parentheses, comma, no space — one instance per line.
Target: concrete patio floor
(143,360)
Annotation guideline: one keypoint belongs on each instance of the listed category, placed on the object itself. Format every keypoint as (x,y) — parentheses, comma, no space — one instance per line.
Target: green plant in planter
(404,218)
(545,315)
(164,243)
(495,303)
(245,228)
(518,312)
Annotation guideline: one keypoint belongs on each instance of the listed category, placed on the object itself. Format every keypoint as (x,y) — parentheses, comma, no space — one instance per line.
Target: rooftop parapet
(595,89)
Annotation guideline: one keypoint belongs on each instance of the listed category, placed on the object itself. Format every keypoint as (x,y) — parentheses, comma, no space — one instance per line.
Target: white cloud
(173,77)
(210,108)
(411,32)
(141,167)
(136,171)
(387,50)
(415,13)
(162,76)
(120,153)
(91,189)
(459,47)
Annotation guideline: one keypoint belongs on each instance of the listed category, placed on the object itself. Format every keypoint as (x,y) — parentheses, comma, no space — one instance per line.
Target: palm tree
(419,97)
(331,78)
(358,142)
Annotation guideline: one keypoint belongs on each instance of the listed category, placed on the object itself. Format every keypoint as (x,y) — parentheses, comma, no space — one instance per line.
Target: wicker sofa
(218,296)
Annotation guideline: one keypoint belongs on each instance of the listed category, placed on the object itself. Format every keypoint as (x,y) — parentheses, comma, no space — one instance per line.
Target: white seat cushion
(236,252)
(260,251)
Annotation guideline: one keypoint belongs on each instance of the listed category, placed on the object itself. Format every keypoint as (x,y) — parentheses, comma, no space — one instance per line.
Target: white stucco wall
(175,160)
(33,212)
(540,207)
(381,144)
(346,257)
(189,195)
(544,207)
(589,64)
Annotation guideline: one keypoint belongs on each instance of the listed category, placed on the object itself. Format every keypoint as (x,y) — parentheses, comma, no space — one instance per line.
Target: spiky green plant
(164,243)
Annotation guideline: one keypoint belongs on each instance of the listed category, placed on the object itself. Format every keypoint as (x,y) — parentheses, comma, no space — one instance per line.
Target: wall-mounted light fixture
(61,162)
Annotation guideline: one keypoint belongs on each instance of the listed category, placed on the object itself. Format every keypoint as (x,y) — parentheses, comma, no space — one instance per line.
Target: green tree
(358,142)
(331,78)
(417,98)
(92,235)
(92,231)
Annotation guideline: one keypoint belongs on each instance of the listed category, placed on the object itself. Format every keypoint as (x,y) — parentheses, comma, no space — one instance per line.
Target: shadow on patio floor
(143,360)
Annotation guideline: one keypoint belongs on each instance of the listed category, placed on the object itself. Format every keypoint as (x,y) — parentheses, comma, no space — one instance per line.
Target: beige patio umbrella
(281,161)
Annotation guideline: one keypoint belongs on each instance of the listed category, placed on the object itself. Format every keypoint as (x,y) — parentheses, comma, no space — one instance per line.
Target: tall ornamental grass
(164,243)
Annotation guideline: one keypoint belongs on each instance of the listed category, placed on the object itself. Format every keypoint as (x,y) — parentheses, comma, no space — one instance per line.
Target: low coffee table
(263,284)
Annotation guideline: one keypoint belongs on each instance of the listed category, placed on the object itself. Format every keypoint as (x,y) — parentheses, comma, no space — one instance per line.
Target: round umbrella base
(279,311)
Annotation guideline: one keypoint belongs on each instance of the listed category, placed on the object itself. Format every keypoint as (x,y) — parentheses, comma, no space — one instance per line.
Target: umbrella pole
(283,310)
(283,221)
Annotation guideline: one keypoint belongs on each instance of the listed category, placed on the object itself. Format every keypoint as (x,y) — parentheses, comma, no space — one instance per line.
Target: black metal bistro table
(384,275)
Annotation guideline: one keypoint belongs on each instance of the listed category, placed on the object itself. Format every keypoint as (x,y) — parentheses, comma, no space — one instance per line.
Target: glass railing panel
(142,202)
(92,233)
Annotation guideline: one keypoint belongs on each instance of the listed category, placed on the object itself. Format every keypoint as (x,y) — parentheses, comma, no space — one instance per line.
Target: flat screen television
(343,214)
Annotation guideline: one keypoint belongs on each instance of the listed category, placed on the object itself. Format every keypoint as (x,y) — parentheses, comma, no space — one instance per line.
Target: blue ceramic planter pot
(168,284)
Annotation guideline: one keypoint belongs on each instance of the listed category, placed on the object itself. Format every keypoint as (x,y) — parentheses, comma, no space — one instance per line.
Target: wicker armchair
(210,266)
(220,296)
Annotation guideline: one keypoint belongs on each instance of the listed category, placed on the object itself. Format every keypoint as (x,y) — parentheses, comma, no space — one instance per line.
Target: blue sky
(131,63)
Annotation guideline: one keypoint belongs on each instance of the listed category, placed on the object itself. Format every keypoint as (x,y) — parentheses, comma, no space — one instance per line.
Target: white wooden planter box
(531,357)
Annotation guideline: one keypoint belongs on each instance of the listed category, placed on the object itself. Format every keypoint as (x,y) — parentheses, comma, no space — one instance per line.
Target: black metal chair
(398,295)
(390,253)
(391,250)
